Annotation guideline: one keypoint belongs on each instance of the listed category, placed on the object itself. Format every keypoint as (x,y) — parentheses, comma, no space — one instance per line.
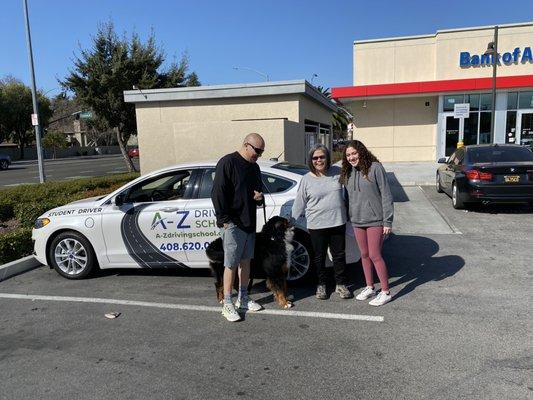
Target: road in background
(23,172)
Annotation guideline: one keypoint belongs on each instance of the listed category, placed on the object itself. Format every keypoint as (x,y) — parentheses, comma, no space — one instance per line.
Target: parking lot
(459,325)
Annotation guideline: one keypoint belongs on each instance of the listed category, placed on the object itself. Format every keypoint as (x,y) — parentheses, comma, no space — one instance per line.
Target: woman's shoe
(381,299)
(366,293)
(321,293)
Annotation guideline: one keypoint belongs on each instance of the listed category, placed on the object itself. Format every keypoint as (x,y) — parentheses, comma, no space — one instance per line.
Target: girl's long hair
(366,158)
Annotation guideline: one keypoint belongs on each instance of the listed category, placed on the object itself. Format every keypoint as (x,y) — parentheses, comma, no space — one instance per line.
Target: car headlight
(40,222)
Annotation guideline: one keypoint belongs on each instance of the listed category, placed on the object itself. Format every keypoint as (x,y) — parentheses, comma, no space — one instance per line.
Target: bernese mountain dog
(272,255)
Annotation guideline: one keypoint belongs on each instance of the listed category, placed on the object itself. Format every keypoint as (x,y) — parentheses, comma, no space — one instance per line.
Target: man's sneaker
(343,292)
(248,304)
(321,293)
(381,299)
(366,293)
(228,311)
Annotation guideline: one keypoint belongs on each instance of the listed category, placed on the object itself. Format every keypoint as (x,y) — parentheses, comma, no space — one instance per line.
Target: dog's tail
(215,251)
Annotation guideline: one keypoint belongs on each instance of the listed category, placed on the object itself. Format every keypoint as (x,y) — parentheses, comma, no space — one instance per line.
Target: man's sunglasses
(257,151)
(316,158)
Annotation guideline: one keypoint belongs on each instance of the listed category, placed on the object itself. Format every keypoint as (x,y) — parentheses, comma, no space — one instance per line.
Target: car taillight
(475,175)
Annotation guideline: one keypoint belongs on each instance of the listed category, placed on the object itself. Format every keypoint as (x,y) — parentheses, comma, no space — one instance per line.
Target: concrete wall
(436,57)
(403,129)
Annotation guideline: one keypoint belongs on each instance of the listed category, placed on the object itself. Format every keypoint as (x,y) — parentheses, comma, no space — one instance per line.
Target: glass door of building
(524,127)
(451,131)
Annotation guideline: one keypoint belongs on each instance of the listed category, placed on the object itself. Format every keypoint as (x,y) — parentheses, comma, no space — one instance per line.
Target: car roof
(477,146)
(207,163)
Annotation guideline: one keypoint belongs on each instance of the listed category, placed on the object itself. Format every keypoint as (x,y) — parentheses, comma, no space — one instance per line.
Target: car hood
(87,206)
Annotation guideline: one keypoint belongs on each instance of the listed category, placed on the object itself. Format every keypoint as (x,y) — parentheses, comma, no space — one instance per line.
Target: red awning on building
(431,87)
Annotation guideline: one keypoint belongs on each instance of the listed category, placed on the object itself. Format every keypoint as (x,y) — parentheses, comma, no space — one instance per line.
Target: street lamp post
(267,78)
(492,49)
(35,121)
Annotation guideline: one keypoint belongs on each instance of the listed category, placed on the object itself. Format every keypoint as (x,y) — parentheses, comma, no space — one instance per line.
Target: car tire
(457,203)
(302,266)
(437,184)
(72,255)
(4,164)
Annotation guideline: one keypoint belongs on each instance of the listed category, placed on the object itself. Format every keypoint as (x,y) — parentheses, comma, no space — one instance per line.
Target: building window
(450,101)
(525,100)
(512,100)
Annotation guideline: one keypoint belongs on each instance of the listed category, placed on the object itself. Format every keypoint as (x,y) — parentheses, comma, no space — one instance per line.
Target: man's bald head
(252,147)
(255,139)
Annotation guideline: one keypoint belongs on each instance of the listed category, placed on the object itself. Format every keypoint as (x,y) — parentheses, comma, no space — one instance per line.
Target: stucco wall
(398,129)
(172,132)
(437,57)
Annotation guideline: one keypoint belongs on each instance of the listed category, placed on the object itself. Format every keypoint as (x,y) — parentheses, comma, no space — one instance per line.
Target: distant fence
(30,153)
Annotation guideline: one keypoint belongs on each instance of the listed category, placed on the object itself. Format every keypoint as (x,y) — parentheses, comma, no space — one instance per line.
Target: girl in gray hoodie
(370,212)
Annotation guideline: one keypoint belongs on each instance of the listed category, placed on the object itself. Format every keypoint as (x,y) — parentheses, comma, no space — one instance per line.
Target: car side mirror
(119,199)
(442,160)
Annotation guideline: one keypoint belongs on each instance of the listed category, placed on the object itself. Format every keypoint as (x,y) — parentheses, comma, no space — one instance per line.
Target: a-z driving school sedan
(162,220)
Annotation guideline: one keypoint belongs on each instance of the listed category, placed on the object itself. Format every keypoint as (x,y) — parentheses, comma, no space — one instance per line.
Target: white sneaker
(228,311)
(249,305)
(382,298)
(366,293)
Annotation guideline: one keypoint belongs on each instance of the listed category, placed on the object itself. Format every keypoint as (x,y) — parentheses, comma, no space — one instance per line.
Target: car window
(206,185)
(276,184)
(499,154)
(169,186)
(459,157)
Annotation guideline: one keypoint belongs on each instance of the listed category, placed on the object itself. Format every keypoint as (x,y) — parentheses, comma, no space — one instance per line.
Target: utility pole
(35,116)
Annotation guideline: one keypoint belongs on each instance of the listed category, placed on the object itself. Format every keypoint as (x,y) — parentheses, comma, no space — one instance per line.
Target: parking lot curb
(18,267)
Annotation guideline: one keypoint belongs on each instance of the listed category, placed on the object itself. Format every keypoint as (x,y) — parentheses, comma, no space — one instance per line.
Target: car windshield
(299,169)
(495,154)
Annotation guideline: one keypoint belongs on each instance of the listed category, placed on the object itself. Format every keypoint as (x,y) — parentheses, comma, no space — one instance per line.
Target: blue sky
(291,39)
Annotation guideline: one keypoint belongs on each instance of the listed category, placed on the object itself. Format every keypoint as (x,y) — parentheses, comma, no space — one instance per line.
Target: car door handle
(169,209)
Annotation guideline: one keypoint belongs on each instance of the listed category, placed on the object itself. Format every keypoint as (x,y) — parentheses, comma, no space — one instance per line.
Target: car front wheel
(437,184)
(301,266)
(71,255)
(4,164)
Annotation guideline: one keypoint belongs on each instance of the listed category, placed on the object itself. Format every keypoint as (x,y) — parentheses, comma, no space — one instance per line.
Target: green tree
(341,118)
(17,108)
(54,141)
(114,64)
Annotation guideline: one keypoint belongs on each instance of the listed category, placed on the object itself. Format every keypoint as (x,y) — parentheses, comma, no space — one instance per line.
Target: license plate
(512,178)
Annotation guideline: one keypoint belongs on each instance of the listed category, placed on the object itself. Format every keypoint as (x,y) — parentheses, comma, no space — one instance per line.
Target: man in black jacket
(237,190)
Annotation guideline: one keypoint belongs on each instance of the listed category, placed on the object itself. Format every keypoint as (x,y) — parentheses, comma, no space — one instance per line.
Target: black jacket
(233,192)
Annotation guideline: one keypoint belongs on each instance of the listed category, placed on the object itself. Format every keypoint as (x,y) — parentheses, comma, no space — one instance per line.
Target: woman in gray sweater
(320,196)
(371,212)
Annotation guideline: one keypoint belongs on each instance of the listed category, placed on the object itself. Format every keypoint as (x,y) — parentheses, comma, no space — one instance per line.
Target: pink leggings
(369,240)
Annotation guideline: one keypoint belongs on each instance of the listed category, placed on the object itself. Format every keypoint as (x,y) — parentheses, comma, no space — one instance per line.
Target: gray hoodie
(370,200)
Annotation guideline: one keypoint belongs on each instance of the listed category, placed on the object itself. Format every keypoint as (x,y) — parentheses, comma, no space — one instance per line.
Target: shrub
(6,210)
(27,202)
(15,245)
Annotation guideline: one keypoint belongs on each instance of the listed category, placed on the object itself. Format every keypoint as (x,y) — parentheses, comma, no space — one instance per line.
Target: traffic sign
(86,115)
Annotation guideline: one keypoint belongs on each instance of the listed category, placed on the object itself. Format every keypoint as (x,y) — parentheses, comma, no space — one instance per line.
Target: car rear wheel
(4,164)
(301,266)
(456,199)
(438,185)
(71,255)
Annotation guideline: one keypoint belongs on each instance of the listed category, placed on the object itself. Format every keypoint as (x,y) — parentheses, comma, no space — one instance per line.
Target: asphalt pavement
(24,172)
(459,326)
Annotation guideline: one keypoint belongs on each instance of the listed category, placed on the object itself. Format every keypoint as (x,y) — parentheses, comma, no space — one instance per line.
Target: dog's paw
(288,305)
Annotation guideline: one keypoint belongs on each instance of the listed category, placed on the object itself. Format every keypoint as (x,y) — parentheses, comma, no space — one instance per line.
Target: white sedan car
(162,220)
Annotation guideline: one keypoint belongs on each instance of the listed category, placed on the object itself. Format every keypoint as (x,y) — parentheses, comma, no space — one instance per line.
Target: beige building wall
(398,129)
(436,57)
(172,132)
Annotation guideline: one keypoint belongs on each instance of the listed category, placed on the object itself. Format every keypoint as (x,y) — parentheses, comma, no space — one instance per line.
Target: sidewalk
(411,173)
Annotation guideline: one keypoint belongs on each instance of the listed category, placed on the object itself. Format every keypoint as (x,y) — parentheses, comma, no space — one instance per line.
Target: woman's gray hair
(310,157)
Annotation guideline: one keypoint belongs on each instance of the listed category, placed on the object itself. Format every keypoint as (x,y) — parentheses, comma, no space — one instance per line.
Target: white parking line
(190,307)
